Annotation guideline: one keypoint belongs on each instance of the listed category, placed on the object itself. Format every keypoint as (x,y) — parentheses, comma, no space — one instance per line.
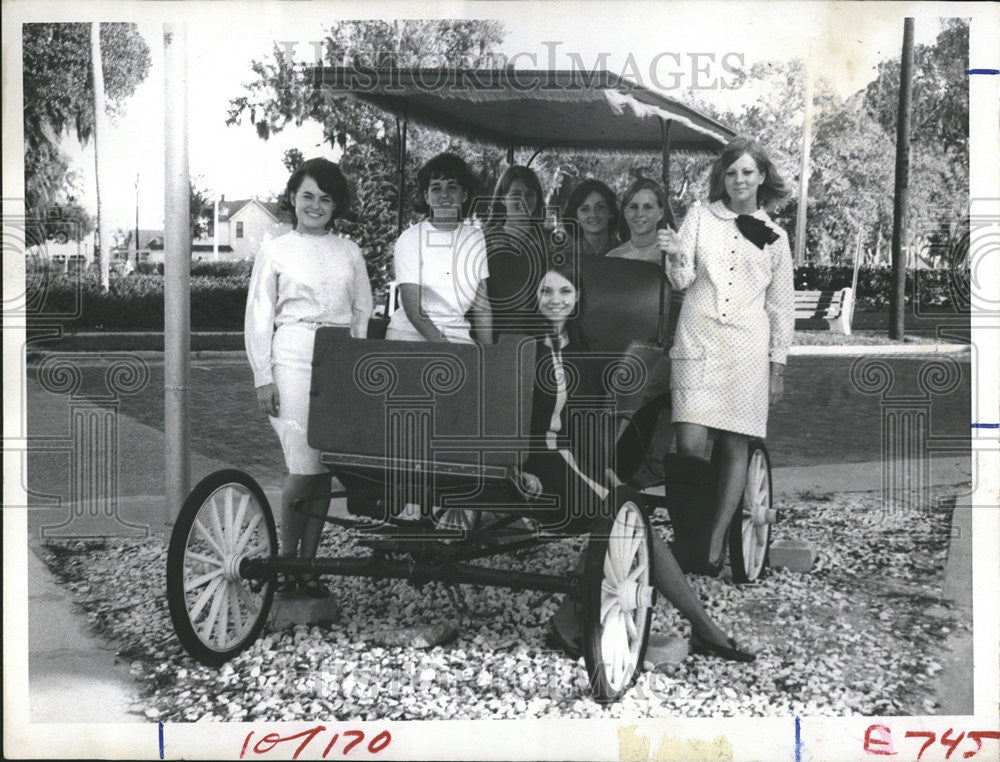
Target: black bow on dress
(758,232)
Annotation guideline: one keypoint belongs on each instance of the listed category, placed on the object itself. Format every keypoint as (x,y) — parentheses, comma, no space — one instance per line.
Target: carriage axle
(416,571)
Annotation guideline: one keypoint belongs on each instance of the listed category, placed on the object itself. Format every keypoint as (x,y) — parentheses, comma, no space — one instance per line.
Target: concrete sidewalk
(73,675)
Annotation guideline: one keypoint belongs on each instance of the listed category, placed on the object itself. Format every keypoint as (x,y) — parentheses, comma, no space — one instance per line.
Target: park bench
(835,307)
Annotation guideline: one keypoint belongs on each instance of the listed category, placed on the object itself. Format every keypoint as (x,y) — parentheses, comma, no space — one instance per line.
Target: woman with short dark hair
(302,280)
(440,262)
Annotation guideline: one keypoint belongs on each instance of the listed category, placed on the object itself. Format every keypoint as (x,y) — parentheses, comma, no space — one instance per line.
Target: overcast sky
(660,44)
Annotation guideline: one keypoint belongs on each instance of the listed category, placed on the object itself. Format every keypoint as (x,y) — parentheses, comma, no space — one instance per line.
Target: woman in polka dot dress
(728,356)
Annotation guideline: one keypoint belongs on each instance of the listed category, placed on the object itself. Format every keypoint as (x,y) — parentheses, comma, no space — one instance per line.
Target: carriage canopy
(513,108)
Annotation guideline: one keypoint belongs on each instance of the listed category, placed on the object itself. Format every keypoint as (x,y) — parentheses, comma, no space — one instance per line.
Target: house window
(239,229)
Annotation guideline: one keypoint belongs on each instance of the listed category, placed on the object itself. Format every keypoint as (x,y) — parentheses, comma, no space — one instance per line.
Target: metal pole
(800,216)
(137,218)
(668,210)
(102,249)
(901,198)
(401,171)
(176,269)
(215,230)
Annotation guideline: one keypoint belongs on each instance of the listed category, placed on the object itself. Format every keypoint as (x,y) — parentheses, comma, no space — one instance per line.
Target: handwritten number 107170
(350,739)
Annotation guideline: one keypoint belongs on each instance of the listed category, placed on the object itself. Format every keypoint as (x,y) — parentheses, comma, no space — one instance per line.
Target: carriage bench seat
(835,307)
(449,418)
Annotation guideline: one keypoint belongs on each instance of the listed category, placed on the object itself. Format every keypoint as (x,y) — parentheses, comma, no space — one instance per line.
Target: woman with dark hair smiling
(558,468)
(591,217)
(440,262)
(300,281)
(735,326)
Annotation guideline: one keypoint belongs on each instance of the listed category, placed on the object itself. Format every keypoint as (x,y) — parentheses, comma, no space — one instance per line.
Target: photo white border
(822,738)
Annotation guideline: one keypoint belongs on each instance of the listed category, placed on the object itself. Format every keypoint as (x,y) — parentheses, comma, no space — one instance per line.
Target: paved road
(825,417)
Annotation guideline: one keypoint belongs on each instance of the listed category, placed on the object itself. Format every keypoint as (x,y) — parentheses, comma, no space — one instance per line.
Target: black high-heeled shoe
(730,651)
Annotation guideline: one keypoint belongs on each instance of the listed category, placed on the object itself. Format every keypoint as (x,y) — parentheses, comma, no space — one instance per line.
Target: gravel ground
(862,633)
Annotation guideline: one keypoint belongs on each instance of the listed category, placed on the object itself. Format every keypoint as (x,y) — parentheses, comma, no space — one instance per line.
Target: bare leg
(692,439)
(671,583)
(315,521)
(733,454)
(296,487)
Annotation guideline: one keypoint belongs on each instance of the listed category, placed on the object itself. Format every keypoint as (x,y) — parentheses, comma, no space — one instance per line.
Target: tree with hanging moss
(59,100)
(282,95)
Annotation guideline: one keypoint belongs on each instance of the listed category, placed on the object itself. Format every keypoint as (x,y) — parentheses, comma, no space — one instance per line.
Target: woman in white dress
(302,280)
(736,323)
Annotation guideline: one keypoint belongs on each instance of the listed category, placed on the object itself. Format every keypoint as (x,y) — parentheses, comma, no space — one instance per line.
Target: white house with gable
(244,225)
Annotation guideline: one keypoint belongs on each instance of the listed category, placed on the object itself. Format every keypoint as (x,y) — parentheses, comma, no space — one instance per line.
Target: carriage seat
(420,419)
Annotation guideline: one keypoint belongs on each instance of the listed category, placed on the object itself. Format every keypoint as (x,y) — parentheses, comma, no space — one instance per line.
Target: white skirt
(291,364)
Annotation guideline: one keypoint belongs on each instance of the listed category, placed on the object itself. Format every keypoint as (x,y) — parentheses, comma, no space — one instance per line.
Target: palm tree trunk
(101,249)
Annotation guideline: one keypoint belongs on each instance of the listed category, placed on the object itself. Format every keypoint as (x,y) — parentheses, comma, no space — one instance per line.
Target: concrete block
(664,650)
(422,636)
(794,555)
(293,609)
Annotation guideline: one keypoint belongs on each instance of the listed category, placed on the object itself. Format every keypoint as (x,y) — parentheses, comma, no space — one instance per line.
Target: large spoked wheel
(618,598)
(217,613)
(750,531)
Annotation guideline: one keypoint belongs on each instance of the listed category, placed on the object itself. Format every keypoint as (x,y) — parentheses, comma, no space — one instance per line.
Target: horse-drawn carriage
(446,426)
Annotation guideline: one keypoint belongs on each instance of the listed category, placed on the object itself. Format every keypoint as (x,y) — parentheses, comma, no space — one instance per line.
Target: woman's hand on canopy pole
(670,244)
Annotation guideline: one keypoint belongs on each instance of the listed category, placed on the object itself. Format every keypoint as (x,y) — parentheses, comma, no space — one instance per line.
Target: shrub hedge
(135,302)
(934,288)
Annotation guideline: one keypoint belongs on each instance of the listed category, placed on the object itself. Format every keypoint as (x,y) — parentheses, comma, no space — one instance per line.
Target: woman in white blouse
(303,280)
(736,323)
(440,262)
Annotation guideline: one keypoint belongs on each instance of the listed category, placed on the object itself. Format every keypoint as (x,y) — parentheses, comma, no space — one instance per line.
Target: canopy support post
(510,156)
(667,209)
(400,170)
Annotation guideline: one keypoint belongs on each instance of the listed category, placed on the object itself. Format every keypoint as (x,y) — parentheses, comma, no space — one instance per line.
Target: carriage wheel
(216,613)
(750,530)
(618,598)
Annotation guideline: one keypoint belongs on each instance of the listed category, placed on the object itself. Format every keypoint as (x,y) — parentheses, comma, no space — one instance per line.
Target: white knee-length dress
(299,283)
(737,317)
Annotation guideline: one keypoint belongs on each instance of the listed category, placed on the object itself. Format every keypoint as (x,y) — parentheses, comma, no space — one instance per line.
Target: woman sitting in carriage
(560,469)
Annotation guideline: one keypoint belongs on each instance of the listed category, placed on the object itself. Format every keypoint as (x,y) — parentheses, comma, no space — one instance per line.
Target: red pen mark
(978,736)
(330,745)
(879,736)
(922,734)
(386,738)
(946,741)
(356,741)
(878,740)
(271,740)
